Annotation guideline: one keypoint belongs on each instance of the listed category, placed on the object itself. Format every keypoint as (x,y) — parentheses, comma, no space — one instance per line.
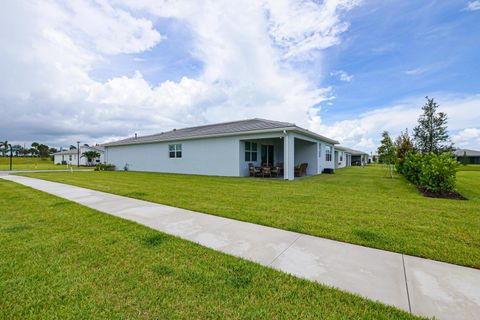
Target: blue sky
(401,49)
(98,70)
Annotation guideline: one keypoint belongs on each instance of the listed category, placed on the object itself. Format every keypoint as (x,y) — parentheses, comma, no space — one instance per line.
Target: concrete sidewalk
(423,287)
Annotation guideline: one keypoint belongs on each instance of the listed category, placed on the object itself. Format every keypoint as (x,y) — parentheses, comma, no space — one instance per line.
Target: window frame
(328,153)
(251,151)
(175,151)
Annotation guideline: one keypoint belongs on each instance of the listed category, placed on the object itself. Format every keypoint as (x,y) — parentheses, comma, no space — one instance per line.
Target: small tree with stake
(386,152)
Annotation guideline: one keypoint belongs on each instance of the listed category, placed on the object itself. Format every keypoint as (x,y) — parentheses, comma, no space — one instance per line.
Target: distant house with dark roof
(472,156)
(226,149)
(70,156)
(345,157)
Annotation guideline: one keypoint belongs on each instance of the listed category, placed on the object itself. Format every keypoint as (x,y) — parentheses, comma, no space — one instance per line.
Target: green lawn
(357,204)
(60,260)
(29,163)
(469,167)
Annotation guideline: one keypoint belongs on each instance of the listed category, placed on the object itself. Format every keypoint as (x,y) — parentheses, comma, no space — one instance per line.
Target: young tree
(386,151)
(431,133)
(403,146)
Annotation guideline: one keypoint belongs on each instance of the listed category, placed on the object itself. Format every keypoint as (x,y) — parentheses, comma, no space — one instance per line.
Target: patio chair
(266,172)
(301,170)
(277,171)
(254,171)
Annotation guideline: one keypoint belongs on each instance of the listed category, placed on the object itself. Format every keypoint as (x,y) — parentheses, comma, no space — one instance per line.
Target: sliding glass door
(267,155)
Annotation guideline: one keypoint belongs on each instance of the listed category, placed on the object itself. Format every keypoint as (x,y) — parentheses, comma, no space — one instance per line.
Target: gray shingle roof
(242,126)
(351,151)
(470,153)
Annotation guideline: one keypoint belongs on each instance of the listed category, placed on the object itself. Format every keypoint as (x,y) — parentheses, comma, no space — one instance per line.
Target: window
(70,157)
(250,151)
(328,153)
(175,150)
(341,156)
(319,150)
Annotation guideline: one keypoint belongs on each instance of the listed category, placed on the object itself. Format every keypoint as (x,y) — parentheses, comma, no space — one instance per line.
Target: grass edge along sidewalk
(355,205)
(70,261)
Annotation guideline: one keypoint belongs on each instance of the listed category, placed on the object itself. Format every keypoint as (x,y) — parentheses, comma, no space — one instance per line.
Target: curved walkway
(423,287)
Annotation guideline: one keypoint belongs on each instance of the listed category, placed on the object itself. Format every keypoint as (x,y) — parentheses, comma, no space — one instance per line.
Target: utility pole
(78,154)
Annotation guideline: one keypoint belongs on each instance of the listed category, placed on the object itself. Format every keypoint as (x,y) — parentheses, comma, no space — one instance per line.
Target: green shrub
(104,167)
(438,172)
(411,167)
(434,172)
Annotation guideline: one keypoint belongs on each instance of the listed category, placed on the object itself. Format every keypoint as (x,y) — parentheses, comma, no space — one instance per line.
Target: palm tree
(90,155)
(5,148)
(34,149)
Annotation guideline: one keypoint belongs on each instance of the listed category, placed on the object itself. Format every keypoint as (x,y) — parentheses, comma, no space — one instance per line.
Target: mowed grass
(359,205)
(469,167)
(60,260)
(29,163)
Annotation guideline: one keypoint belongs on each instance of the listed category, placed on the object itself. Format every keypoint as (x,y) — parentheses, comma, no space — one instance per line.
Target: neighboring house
(225,149)
(345,157)
(70,156)
(473,156)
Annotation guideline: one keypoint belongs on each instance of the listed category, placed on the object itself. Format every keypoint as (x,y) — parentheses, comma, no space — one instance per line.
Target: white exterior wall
(222,156)
(58,159)
(306,152)
(71,159)
(341,161)
(322,162)
(214,156)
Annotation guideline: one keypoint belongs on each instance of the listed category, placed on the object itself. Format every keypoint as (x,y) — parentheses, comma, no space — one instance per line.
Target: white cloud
(111,30)
(473,5)
(342,75)
(248,50)
(364,132)
(468,138)
(416,71)
(298,27)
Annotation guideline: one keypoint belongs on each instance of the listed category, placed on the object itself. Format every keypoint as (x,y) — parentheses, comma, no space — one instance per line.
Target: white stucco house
(345,157)
(225,149)
(70,156)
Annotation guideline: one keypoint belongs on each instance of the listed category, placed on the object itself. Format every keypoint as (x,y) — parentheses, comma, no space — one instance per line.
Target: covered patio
(282,156)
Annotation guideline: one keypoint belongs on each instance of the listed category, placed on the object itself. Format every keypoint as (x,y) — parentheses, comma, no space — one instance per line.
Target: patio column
(288,157)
